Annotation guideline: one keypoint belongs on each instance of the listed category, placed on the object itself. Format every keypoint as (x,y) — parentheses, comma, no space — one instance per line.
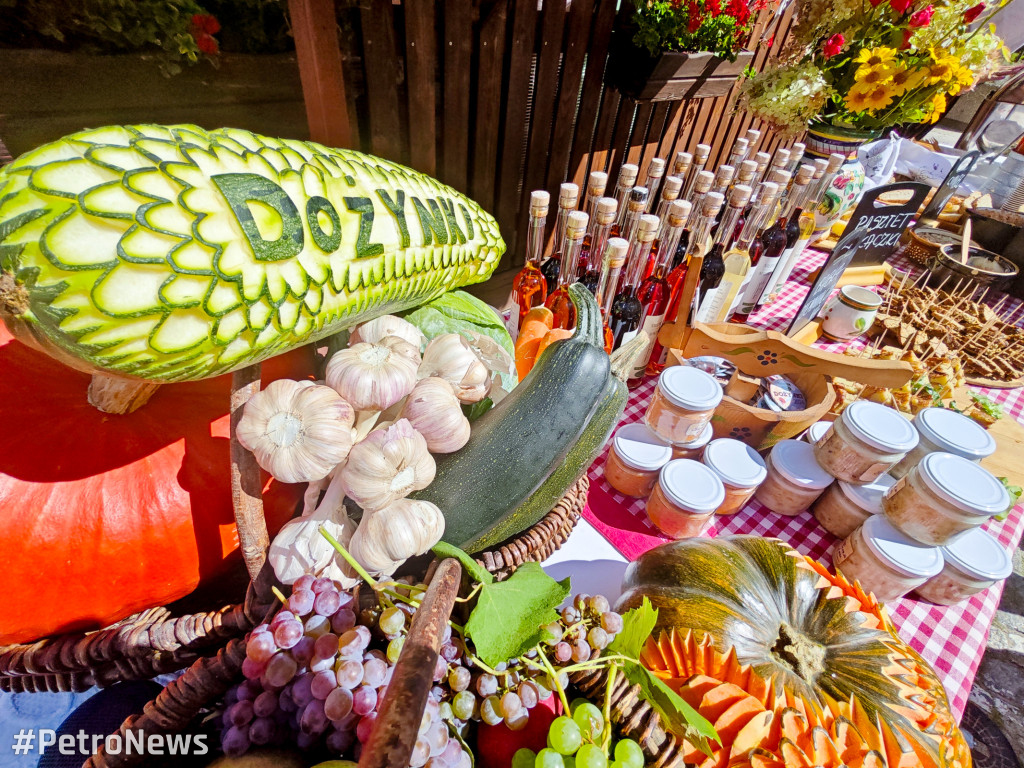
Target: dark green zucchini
(526,452)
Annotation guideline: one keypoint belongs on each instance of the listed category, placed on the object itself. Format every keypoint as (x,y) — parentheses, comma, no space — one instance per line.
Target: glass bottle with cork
(652,180)
(600,230)
(792,226)
(762,159)
(627,179)
(559,302)
(739,153)
(669,194)
(607,285)
(700,159)
(529,289)
(713,269)
(596,185)
(752,136)
(568,197)
(796,154)
(625,315)
(629,217)
(745,176)
(681,165)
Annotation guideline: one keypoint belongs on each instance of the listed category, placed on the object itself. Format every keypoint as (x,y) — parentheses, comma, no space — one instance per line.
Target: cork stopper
(701,155)
(752,136)
(724,175)
(576,227)
(656,169)
(627,174)
(820,164)
(568,195)
(671,187)
(747,170)
(705,180)
(780,177)
(762,159)
(607,207)
(678,213)
(739,196)
(835,161)
(712,204)
(803,174)
(647,229)
(539,202)
(682,163)
(740,147)
(615,252)
(767,192)
(637,199)
(796,152)
(597,183)
(781,158)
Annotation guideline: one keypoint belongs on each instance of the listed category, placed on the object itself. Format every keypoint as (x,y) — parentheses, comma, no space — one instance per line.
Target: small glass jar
(685,498)
(885,562)
(684,400)
(815,432)
(695,449)
(740,468)
(636,458)
(866,440)
(942,496)
(794,479)
(943,429)
(973,562)
(843,508)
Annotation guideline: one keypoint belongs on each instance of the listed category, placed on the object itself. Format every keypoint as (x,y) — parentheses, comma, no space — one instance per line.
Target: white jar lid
(880,427)
(700,442)
(868,497)
(817,431)
(794,460)
(901,552)
(978,555)
(955,433)
(735,462)
(690,388)
(639,448)
(691,486)
(968,486)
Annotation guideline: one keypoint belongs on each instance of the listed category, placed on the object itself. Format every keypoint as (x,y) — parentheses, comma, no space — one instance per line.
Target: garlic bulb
(388,537)
(452,358)
(298,431)
(434,410)
(372,331)
(387,465)
(299,547)
(373,377)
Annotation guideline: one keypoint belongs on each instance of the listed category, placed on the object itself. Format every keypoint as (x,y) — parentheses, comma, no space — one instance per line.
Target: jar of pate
(942,496)
(973,562)
(685,498)
(740,468)
(794,479)
(844,507)
(866,440)
(885,561)
(943,429)
(694,450)
(815,432)
(635,459)
(684,400)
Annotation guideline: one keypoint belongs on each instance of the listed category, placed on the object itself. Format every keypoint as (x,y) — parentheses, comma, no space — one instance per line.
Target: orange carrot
(526,354)
(541,313)
(551,337)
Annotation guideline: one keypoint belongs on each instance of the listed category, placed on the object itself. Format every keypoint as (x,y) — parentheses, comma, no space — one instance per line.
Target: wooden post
(323,81)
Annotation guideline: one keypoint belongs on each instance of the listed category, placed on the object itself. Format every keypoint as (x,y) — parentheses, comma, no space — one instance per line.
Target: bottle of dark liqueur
(791,225)
(654,292)
(652,180)
(596,184)
(529,288)
(568,197)
(600,231)
(559,302)
(713,268)
(626,309)
(669,194)
(700,223)
(607,285)
(636,203)
(681,165)
(700,159)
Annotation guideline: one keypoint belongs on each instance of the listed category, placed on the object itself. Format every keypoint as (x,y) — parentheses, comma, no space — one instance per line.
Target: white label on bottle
(724,294)
(754,287)
(651,325)
(766,278)
(787,264)
(627,336)
(704,309)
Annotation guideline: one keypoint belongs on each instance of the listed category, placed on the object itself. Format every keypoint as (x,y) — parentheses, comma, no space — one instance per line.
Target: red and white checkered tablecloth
(952,639)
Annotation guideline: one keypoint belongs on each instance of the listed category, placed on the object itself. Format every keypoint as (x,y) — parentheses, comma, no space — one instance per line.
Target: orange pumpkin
(105,515)
(795,666)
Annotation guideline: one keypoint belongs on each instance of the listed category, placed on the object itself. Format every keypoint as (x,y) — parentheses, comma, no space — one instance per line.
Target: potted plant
(853,69)
(675,49)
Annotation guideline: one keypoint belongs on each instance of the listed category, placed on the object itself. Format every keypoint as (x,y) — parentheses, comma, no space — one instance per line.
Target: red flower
(972,13)
(907,34)
(876,3)
(834,45)
(923,17)
(696,19)
(739,10)
(207,44)
(901,6)
(205,23)
(714,7)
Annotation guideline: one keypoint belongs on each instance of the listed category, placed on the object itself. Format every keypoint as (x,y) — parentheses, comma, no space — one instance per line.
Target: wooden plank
(673,121)
(653,140)
(380,62)
(489,98)
(524,28)
(639,133)
(545,91)
(603,133)
(323,81)
(620,139)
(458,50)
(686,127)
(591,100)
(421,79)
(578,22)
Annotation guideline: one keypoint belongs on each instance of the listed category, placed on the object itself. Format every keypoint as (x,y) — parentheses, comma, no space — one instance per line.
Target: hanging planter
(675,75)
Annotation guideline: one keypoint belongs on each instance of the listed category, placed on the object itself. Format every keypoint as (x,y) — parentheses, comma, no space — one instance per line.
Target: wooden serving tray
(1008,460)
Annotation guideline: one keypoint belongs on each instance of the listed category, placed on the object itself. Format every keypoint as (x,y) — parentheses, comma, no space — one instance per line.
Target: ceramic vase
(823,140)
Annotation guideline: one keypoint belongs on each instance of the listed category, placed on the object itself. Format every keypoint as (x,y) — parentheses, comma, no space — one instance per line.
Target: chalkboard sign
(828,276)
(885,222)
(963,166)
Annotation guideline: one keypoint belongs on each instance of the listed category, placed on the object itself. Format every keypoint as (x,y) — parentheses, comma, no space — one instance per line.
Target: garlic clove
(451,357)
(387,465)
(388,537)
(373,377)
(372,331)
(297,430)
(435,412)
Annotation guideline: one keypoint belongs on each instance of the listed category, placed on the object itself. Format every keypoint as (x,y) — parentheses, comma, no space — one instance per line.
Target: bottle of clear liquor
(669,194)
(636,204)
(568,197)
(681,165)
(652,180)
(713,269)
(559,302)
(596,184)
(607,286)
(700,159)
(600,230)
(529,288)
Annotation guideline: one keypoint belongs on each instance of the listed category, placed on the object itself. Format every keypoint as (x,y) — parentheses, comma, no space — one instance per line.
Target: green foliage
(718,26)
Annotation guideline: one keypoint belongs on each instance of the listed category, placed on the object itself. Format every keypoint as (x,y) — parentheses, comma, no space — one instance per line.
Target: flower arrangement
(873,64)
(718,26)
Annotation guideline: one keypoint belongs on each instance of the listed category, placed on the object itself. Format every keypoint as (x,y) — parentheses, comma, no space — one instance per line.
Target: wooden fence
(498,97)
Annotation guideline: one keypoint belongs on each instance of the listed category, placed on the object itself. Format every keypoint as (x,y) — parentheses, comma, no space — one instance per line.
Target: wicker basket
(921,244)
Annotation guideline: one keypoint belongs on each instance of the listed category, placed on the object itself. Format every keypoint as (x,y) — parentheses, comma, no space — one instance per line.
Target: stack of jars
(672,459)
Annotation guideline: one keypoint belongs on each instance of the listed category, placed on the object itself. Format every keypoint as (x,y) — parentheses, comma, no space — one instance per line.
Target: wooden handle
(763,353)
(394,734)
(246,485)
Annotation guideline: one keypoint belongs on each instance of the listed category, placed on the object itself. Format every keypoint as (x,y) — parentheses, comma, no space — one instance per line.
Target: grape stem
(471,595)
(279,595)
(374,585)
(476,660)
(554,679)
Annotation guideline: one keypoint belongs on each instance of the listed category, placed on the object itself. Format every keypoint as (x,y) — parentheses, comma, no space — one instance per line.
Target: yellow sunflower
(941,69)
(938,105)
(873,57)
(869,97)
(875,74)
(961,78)
(905,79)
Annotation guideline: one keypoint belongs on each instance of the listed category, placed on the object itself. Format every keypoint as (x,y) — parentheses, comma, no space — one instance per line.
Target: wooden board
(1008,460)
(978,381)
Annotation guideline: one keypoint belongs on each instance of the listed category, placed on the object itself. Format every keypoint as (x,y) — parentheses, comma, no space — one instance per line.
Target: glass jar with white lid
(685,498)
(683,403)
(635,459)
(865,441)
(844,507)
(885,561)
(973,562)
(815,432)
(695,448)
(946,430)
(740,468)
(942,496)
(794,479)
